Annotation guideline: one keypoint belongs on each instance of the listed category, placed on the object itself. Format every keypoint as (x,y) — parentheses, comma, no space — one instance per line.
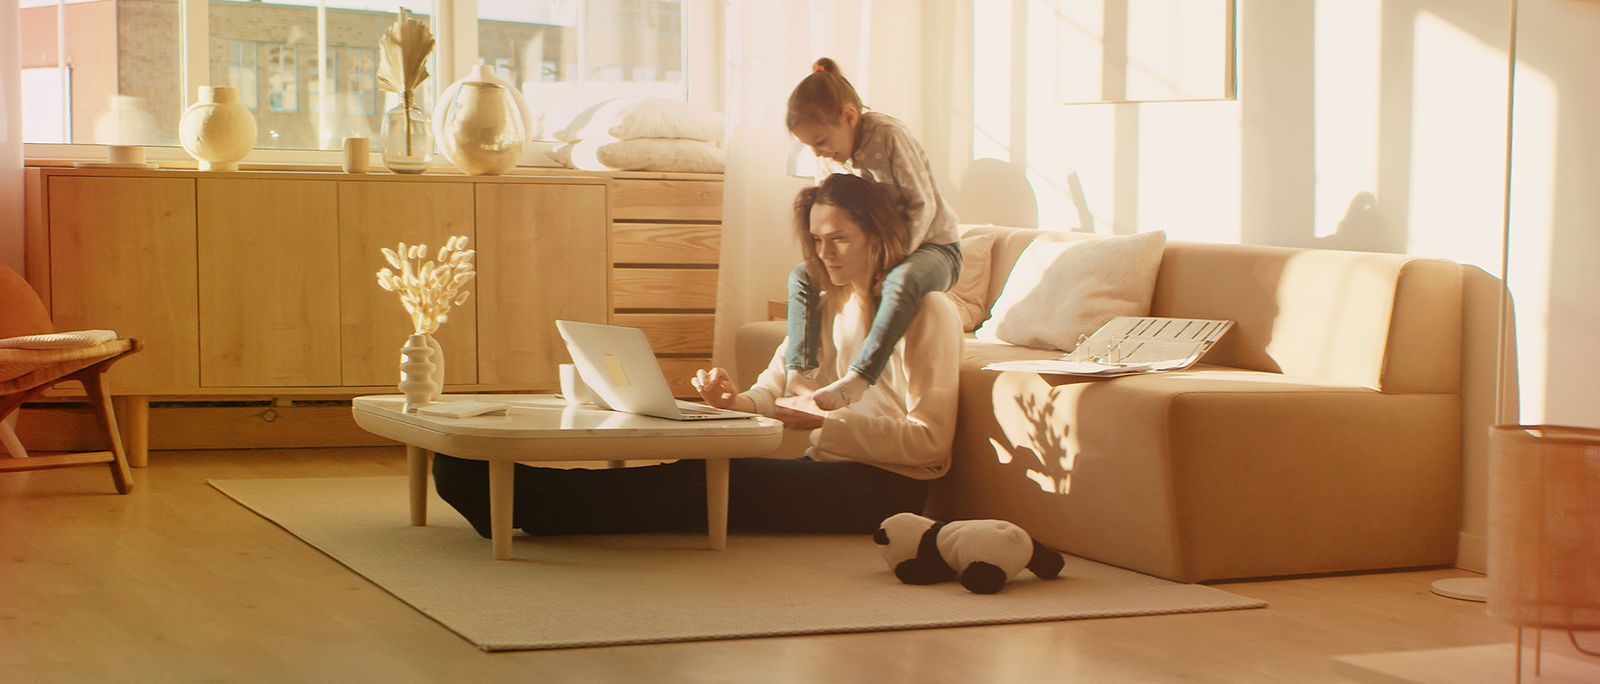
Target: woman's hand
(716,388)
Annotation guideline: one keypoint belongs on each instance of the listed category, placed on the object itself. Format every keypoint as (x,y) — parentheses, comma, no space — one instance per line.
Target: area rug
(567,592)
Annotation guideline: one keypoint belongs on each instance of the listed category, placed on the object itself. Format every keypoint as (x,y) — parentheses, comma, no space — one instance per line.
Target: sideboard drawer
(673,333)
(672,200)
(666,243)
(663,288)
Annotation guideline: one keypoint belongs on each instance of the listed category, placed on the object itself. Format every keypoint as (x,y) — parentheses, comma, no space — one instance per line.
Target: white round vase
(217,130)
(482,123)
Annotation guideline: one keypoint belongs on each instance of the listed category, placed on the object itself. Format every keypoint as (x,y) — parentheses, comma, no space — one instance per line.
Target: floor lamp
(1477,588)
(1544,496)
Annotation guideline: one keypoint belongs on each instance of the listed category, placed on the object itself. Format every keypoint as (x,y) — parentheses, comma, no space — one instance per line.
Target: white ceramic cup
(125,154)
(357,155)
(573,389)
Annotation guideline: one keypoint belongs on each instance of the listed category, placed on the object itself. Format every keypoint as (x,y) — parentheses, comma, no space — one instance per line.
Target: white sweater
(906,422)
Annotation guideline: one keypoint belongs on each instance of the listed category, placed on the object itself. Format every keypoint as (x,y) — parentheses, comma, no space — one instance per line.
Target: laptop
(619,367)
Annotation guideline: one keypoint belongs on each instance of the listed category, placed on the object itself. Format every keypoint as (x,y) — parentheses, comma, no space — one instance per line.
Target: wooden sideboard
(261,284)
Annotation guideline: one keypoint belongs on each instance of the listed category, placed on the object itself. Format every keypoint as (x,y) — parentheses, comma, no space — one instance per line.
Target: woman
(865,462)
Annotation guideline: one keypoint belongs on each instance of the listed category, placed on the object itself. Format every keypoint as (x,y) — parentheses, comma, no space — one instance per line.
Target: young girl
(826,114)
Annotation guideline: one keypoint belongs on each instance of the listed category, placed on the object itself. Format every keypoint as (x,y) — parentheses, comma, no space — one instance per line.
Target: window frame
(455,30)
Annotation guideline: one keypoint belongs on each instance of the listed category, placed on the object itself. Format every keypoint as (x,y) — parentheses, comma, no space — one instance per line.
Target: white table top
(545,427)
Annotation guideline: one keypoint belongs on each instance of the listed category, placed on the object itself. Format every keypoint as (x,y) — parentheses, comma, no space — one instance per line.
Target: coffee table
(543,427)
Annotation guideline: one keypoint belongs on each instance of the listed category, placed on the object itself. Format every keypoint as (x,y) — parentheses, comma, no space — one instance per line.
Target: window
(358,68)
(242,70)
(568,55)
(283,78)
(564,54)
(352,84)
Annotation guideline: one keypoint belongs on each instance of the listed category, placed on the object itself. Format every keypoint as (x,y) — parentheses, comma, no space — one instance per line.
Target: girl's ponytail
(821,96)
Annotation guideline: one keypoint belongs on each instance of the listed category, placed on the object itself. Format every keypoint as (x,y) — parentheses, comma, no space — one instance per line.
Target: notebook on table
(620,368)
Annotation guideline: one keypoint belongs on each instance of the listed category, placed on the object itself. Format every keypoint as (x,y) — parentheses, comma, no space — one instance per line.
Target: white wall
(10,138)
(1359,124)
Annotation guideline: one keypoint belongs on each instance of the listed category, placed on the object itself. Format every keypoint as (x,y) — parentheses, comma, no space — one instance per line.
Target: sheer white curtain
(10,136)
(769,47)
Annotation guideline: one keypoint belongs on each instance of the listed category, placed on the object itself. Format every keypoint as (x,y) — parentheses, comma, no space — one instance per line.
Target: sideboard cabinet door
(542,256)
(372,216)
(122,257)
(269,283)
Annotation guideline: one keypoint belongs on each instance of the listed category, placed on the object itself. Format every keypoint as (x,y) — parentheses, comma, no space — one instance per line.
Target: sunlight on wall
(1457,145)
(1079,29)
(1189,167)
(991,90)
(1173,166)
(1457,181)
(1348,80)
(1052,40)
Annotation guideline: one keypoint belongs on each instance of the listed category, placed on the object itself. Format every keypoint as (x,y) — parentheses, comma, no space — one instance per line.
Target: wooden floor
(177,583)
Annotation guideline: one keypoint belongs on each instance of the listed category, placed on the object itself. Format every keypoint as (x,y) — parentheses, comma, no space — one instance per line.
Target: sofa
(1321,434)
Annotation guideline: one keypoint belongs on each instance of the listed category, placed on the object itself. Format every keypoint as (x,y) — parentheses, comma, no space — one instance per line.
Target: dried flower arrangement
(403,60)
(429,288)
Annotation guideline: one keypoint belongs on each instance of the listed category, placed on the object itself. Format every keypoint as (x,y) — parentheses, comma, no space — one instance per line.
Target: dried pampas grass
(429,288)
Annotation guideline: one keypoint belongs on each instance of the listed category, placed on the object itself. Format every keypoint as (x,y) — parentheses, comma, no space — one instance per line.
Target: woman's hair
(822,96)
(873,209)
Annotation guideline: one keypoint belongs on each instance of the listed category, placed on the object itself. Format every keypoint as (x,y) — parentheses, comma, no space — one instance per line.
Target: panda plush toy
(984,554)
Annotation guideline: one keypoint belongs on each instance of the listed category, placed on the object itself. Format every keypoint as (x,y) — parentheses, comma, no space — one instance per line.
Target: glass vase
(407,139)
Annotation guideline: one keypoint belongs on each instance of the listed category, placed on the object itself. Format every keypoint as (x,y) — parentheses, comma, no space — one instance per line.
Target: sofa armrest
(754,345)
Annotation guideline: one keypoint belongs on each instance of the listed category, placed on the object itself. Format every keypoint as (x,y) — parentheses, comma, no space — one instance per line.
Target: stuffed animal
(984,554)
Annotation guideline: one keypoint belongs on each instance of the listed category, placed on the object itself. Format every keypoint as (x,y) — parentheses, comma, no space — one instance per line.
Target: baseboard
(1472,552)
(71,427)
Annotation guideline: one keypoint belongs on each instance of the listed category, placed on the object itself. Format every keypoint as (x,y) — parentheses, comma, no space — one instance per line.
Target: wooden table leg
(417,460)
(717,502)
(502,475)
(133,421)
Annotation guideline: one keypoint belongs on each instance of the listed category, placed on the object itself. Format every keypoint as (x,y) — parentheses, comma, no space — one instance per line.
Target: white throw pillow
(1060,290)
(971,292)
(645,154)
(629,118)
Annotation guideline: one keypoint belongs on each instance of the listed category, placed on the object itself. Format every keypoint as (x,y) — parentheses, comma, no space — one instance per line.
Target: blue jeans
(931,268)
(764,495)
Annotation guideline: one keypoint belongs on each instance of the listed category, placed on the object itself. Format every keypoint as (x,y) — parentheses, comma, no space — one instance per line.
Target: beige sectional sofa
(1321,434)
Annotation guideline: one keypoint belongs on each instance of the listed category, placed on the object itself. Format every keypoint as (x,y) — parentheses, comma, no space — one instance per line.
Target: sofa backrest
(1391,322)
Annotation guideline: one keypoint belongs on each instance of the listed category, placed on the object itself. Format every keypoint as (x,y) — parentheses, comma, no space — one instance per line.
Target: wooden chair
(26,373)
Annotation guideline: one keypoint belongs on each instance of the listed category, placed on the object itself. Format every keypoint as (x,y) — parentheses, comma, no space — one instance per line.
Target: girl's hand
(716,388)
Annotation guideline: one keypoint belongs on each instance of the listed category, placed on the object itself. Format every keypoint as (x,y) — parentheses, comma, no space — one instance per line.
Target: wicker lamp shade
(1544,526)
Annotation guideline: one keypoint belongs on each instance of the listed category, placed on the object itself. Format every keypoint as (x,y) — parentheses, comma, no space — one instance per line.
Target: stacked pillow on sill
(643,134)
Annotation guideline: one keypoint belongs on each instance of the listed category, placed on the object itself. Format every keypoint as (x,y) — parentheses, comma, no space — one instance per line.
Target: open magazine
(1131,344)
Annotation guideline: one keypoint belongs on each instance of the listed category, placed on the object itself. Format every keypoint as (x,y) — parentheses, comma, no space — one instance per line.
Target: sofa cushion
(1060,290)
(971,292)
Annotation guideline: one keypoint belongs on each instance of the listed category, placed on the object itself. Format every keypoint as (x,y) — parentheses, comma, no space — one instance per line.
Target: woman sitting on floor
(865,462)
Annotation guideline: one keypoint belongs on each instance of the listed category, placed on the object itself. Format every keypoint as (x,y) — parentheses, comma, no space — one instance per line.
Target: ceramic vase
(417,372)
(438,364)
(482,123)
(218,131)
(407,139)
